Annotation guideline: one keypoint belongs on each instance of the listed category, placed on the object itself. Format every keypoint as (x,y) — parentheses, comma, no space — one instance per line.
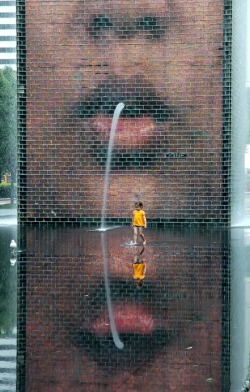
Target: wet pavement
(185,328)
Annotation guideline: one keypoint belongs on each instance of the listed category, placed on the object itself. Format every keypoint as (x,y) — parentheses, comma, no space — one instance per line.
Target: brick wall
(164,61)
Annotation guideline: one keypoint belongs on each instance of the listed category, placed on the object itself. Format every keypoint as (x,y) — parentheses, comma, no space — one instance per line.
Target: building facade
(8,34)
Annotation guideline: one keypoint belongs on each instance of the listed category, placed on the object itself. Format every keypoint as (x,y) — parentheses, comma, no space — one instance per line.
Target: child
(139,221)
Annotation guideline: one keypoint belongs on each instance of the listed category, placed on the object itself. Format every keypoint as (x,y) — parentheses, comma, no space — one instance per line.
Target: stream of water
(116,116)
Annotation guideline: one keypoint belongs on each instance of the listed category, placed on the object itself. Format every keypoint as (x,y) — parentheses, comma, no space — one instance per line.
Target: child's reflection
(139,266)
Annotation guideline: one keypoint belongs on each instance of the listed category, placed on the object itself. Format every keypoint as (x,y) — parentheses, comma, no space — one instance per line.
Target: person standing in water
(138,222)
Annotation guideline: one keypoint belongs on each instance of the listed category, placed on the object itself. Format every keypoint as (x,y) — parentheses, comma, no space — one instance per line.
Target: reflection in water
(119,344)
(171,327)
(8,312)
(139,266)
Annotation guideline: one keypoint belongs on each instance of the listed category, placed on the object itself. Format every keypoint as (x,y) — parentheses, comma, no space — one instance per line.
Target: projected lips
(128,319)
(145,128)
(129,130)
(142,112)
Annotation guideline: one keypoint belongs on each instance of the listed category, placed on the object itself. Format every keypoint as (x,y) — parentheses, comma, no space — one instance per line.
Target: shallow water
(183,328)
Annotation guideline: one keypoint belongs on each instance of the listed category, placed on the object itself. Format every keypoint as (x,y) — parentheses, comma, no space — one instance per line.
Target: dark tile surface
(174,328)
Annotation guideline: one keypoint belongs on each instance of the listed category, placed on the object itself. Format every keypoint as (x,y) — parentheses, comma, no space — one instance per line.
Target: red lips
(129,130)
(129,318)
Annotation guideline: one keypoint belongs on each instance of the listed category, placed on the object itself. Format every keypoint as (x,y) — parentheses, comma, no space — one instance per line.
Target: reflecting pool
(174,326)
(186,326)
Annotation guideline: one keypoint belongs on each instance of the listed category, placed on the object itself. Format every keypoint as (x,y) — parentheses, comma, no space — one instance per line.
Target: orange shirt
(139,270)
(138,218)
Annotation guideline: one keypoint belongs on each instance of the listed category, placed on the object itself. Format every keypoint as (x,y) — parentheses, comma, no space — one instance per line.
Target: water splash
(116,116)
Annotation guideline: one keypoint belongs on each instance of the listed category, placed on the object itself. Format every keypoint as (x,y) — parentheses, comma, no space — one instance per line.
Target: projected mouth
(129,131)
(129,318)
(143,329)
(143,114)
(146,124)
(142,334)
(140,101)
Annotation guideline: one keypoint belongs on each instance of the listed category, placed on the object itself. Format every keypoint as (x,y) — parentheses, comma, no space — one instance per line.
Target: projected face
(162,60)
(151,55)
